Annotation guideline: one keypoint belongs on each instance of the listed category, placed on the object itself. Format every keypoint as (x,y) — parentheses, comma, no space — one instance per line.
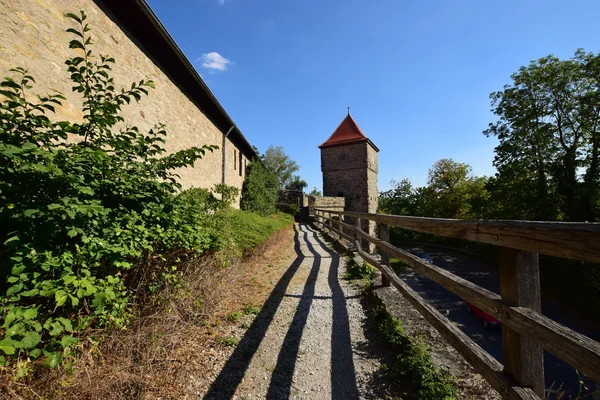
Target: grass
(251,310)
(235,224)
(233,316)
(227,341)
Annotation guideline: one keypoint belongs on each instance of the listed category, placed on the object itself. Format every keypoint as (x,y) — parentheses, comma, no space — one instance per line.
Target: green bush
(260,189)
(413,366)
(77,216)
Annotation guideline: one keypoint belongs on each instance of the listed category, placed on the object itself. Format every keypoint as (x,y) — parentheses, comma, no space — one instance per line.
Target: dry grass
(171,339)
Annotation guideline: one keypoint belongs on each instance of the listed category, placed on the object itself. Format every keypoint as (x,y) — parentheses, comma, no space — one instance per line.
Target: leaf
(29,213)
(86,190)
(30,293)
(2,361)
(56,330)
(7,348)
(68,340)
(14,289)
(53,360)
(73,16)
(35,353)
(53,206)
(60,297)
(66,323)
(12,239)
(72,233)
(30,313)
(30,340)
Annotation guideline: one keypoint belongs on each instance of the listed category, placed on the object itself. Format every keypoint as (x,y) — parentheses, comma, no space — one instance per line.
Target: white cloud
(221,2)
(214,61)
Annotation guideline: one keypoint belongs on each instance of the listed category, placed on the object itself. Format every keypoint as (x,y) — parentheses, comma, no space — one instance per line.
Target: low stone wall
(325,202)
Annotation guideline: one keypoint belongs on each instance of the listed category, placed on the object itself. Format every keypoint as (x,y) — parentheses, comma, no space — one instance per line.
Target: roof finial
(348,111)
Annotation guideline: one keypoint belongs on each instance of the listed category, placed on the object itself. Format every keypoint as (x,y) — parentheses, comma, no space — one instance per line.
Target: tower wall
(350,171)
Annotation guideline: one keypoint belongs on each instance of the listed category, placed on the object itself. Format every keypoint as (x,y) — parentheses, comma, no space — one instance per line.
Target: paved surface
(311,340)
(485,275)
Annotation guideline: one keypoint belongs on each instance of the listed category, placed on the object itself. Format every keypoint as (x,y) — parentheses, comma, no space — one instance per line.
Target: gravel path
(311,340)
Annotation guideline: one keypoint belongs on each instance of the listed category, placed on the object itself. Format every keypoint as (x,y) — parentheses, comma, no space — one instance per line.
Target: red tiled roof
(347,132)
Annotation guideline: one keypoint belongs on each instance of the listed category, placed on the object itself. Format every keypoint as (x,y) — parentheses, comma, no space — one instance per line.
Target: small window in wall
(234,159)
(240,163)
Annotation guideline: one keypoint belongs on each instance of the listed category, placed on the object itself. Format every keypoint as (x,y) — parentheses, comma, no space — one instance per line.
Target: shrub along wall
(90,225)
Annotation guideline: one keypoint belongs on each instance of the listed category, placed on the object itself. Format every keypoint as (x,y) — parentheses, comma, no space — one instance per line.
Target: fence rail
(526,332)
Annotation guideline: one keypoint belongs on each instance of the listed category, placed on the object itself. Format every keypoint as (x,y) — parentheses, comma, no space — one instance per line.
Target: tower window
(240,163)
(234,159)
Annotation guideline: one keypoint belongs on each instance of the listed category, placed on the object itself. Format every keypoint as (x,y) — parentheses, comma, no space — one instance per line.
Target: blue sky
(416,74)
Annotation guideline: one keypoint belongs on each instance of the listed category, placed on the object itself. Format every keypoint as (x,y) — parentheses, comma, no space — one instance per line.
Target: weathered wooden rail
(525,332)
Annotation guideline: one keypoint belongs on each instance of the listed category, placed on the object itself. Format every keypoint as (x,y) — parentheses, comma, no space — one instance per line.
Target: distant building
(34,37)
(349,165)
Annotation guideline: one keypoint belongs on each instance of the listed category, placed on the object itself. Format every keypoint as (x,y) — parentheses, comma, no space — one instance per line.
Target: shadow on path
(343,375)
(343,379)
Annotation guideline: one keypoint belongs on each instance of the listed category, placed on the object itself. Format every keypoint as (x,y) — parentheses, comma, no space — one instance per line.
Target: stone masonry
(349,165)
(33,37)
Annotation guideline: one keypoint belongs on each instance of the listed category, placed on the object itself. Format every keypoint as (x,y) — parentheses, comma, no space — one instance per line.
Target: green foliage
(280,164)
(315,192)
(355,270)
(451,192)
(251,310)
(413,366)
(243,230)
(260,189)
(296,183)
(549,141)
(227,341)
(291,209)
(233,316)
(76,216)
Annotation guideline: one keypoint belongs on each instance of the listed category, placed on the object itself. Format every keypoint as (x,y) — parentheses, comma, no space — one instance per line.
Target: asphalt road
(469,267)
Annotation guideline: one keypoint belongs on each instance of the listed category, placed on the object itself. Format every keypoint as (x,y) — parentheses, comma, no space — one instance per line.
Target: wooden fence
(525,331)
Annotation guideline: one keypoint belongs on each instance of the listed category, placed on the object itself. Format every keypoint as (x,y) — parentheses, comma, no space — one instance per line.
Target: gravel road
(311,340)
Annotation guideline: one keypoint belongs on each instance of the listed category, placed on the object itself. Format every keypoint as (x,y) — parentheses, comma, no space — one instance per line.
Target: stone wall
(330,203)
(33,36)
(350,171)
(294,197)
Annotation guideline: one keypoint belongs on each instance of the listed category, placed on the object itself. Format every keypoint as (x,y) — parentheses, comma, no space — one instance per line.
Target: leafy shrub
(413,366)
(291,209)
(260,189)
(77,216)
(355,270)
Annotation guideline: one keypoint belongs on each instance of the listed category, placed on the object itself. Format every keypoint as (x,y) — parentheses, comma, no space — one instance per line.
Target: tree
(400,199)
(259,192)
(549,134)
(315,192)
(296,183)
(453,192)
(280,164)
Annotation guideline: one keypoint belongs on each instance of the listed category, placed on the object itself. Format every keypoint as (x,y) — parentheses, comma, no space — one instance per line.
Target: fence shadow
(343,378)
(226,383)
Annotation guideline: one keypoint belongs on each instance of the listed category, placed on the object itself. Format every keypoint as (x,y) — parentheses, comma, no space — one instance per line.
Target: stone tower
(349,166)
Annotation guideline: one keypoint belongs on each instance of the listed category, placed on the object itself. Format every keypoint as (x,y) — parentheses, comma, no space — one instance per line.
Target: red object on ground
(488,320)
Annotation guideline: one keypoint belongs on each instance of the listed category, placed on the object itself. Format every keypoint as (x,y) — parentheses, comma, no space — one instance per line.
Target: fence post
(358,236)
(384,235)
(523,357)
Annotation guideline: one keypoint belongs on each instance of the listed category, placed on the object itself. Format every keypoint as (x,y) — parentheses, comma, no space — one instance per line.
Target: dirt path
(311,339)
